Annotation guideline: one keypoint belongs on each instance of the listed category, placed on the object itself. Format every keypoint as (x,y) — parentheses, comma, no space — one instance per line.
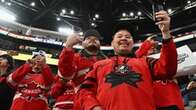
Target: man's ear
(112,43)
(8,65)
(84,43)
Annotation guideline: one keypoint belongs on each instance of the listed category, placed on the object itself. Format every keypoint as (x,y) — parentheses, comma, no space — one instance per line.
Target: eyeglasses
(40,52)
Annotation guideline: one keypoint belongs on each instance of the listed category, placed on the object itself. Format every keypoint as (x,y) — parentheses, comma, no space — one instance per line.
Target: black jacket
(6,95)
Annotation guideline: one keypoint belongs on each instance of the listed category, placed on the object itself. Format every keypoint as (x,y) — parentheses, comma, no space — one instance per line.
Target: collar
(99,54)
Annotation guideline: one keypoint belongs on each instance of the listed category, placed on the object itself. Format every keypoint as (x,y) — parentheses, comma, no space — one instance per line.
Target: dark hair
(10,62)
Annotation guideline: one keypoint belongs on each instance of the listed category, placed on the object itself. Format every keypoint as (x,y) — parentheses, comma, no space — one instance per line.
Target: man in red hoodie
(73,68)
(125,83)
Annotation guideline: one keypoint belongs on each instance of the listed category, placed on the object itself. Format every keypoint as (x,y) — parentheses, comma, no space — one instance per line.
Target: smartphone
(156,7)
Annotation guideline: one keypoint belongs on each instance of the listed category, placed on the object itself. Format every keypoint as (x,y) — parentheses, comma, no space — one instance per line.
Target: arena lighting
(169,11)
(58,19)
(72,12)
(65,30)
(3,1)
(9,4)
(6,15)
(63,11)
(188,1)
(124,14)
(97,16)
(131,14)
(81,33)
(92,24)
(190,6)
(139,13)
(32,4)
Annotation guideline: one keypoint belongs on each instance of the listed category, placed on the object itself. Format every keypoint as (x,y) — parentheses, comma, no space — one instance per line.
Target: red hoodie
(72,66)
(31,88)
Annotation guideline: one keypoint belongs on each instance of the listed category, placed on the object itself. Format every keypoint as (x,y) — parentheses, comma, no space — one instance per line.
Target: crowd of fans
(90,80)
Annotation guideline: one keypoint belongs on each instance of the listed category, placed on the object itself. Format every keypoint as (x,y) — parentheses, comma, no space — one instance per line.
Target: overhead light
(94,19)
(139,13)
(9,4)
(81,33)
(58,19)
(66,31)
(169,10)
(7,16)
(63,11)
(123,14)
(3,1)
(72,12)
(93,24)
(192,5)
(32,4)
(97,16)
(131,14)
(188,2)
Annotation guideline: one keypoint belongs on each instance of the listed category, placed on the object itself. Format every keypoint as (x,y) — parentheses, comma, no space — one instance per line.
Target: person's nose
(124,38)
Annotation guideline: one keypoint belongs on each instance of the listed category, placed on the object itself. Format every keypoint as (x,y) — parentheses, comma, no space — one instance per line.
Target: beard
(122,52)
(92,48)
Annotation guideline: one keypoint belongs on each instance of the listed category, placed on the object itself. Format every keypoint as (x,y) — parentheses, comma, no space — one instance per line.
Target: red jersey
(6,94)
(131,91)
(31,88)
(63,94)
(72,66)
(167,93)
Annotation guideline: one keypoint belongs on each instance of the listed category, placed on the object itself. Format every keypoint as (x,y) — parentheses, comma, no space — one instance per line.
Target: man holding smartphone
(125,83)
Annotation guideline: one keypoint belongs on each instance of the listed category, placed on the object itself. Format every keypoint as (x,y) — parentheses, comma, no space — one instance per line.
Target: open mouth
(123,43)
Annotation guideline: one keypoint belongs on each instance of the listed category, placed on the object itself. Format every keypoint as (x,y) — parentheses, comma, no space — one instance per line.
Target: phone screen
(156,8)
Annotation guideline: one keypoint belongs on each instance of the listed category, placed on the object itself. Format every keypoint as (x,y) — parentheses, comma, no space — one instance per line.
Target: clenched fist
(72,40)
(37,63)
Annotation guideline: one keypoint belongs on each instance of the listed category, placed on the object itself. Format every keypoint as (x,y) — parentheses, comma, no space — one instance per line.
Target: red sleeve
(87,94)
(143,49)
(166,65)
(19,74)
(48,76)
(57,88)
(66,64)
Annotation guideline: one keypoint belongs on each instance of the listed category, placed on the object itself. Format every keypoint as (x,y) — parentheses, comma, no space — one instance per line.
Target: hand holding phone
(158,5)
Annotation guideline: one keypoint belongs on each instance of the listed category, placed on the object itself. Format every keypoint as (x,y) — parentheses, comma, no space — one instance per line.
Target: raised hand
(37,63)
(72,40)
(163,23)
(31,62)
